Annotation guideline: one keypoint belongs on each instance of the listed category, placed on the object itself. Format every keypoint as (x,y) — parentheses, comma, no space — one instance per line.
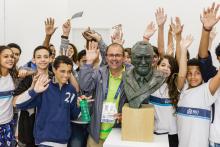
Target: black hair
(81,54)
(14,45)
(115,45)
(156,50)
(40,48)
(74,57)
(193,62)
(50,45)
(13,71)
(217,50)
(171,80)
(187,55)
(62,59)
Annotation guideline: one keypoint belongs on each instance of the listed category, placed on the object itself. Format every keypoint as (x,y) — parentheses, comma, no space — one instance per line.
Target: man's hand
(92,52)
(49,26)
(209,17)
(118,117)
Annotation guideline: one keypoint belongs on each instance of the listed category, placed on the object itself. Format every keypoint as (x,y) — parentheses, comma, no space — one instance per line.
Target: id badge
(108,111)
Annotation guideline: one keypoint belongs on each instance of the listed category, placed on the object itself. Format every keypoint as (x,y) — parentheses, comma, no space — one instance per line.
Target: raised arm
(87,75)
(209,18)
(177,28)
(101,45)
(149,32)
(64,38)
(214,83)
(170,45)
(49,30)
(184,44)
(161,18)
(117,36)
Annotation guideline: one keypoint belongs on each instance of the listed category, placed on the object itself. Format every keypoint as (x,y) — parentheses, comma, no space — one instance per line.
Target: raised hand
(186,42)
(209,17)
(92,52)
(42,83)
(149,32)
(49,26)
(117,36)
(160,17)
(177,27)
(66,28)
(35,78)
(86,34)
(94,35)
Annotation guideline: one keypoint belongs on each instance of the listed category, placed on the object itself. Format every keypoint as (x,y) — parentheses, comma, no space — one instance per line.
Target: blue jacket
(55,108)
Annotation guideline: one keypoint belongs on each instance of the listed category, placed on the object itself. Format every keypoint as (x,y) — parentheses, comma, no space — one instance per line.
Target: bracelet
(64,37)
(207,30)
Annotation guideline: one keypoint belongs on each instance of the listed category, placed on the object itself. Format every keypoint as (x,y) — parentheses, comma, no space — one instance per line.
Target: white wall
(24,18)
(2,21)
(25,22)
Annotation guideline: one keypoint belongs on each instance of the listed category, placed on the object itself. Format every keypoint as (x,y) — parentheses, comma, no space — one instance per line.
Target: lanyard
(117,92)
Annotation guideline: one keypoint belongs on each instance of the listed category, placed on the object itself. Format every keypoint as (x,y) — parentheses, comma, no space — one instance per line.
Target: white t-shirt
(194,121)
(6,107)
(165,117)
(215,126)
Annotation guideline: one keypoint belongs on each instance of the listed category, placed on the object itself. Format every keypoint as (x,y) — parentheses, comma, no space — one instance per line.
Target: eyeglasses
(115,55)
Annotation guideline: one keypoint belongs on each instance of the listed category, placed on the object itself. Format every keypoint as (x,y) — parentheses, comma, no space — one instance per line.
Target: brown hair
(74,57)
(171,80)
(13,71)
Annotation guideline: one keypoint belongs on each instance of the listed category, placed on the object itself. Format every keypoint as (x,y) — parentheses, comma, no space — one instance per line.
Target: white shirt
(165,117)
(193,130)
(215,126)
(6,106)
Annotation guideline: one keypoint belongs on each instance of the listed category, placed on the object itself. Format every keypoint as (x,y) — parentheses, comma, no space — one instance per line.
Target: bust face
(142,60)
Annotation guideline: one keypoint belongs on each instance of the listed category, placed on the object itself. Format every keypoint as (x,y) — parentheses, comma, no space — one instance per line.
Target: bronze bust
(141,80)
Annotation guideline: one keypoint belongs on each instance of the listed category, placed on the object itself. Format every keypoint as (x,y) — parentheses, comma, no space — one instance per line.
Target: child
(56,104)
(41,57)
(165,99)
(7,77)
(194,107)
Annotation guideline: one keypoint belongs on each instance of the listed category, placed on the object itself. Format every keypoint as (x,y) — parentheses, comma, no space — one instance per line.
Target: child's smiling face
(194,76)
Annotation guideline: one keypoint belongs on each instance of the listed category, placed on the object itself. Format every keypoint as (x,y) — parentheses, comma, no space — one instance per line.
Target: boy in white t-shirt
(194,107)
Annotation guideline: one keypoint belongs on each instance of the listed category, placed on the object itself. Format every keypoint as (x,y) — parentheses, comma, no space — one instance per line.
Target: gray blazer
(94,82)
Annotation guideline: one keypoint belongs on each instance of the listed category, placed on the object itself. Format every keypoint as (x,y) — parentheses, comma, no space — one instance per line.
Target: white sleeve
(209,99)
(23,97)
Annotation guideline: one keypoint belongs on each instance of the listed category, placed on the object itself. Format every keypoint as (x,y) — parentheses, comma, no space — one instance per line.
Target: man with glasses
(105,84)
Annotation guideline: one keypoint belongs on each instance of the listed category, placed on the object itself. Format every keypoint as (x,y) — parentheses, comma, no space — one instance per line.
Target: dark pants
(79,135)
(173,140)
(215,145)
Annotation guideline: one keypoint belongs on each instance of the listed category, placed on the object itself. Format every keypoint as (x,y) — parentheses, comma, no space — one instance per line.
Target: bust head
(142,57)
